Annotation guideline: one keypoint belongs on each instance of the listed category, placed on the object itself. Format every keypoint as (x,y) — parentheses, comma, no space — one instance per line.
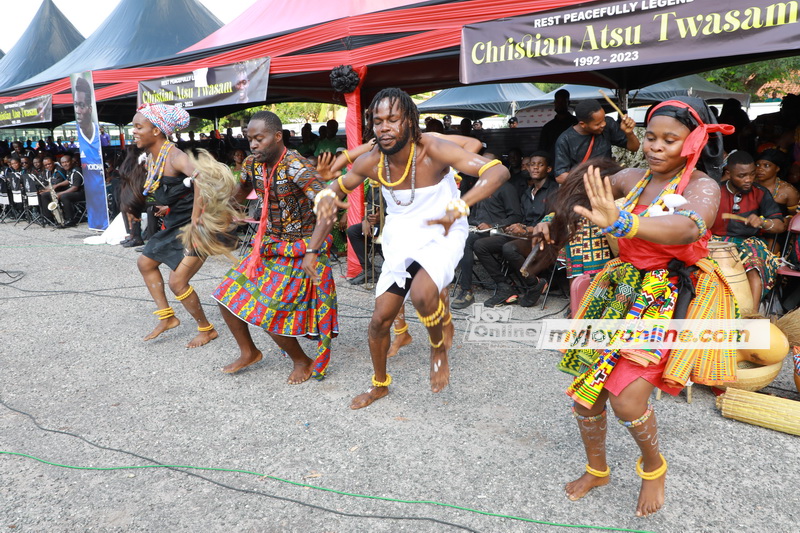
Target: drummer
(741,196)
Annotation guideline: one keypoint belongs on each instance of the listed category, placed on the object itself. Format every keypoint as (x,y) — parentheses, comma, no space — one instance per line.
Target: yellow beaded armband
(386,383)
(165,313)
(598,473)
(459,206)
(487,166)
(345,190)
(209,327)
(434,318)
(655,474)
(186,294)
(634,228)
(322,194)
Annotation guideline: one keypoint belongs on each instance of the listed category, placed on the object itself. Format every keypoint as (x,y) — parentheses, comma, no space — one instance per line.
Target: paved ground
(500,439)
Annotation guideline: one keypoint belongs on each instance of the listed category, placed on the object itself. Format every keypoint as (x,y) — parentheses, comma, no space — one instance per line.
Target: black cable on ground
(230,487)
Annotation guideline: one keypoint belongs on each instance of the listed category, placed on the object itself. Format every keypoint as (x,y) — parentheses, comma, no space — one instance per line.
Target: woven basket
(753,377)
(762,410)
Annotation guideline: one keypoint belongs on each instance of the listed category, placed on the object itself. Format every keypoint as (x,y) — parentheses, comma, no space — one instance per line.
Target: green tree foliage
(751,77)
(288,113)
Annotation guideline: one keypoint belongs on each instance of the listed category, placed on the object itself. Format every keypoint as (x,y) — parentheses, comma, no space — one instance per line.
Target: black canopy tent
(135,33)
(49,38)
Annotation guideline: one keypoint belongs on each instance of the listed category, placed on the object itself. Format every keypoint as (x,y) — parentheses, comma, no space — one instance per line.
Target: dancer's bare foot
(301,372)
(580,487)
(363,400)
(163,325)
(440,369)
(651,496)
(244,361)
(399,341)
(202,337)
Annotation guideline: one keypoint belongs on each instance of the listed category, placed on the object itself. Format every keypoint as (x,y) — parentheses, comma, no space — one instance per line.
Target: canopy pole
(355,213)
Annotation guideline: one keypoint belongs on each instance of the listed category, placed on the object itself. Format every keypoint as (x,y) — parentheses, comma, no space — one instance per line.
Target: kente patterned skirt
(281,299)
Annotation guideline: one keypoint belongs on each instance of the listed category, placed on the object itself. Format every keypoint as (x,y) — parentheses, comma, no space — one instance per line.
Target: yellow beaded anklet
(186,294)
(386,383)
(447,320)
(437,345)
(599,473)
(434,318)
(655,474)
(163,314)
(209,327)
(400,331)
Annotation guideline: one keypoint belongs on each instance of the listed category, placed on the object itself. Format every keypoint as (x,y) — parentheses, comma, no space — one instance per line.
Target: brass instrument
(54,206)
(376,239)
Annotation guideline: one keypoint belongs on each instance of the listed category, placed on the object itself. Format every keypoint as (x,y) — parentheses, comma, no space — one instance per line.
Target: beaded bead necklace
(155,169)
(412,164)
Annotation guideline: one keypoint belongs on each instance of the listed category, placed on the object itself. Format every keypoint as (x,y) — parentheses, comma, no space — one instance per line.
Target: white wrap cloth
(407,237)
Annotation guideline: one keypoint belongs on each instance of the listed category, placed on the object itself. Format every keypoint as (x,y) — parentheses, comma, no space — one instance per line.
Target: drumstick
(731,216)
(618,110)
(528,260)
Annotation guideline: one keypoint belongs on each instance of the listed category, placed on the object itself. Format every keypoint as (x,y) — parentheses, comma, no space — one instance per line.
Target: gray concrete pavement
(499,439)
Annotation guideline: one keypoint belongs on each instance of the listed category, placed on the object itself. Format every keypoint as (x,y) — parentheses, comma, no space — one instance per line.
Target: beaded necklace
(636,192)
(155,169)
(412,162)
(383,161)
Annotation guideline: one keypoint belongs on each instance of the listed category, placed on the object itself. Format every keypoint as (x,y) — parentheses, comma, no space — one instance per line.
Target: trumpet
(54,206)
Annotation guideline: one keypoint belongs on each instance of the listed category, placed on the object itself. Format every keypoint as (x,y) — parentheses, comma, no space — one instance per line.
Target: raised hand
(324,166)
(601,197)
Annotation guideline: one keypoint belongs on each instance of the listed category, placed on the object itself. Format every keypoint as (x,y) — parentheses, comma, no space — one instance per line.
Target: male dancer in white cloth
(425,227)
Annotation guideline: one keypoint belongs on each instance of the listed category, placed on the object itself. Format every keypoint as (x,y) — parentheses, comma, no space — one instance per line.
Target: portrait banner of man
(236,83)
(90,150)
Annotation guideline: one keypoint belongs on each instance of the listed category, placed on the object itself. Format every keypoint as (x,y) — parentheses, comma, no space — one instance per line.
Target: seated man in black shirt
(501,209)
(515,245)
(73,193)
(741,196)
(54,180)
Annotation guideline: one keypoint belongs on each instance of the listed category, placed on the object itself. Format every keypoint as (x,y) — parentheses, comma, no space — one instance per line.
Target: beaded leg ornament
(186,294)
(432,320)
(400,331)
(654,474)
(209,327)
(165,313)
(639,421)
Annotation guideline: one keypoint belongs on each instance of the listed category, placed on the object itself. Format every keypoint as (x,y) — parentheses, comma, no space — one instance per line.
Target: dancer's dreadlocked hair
(566,221)
(216,185)
(406,106)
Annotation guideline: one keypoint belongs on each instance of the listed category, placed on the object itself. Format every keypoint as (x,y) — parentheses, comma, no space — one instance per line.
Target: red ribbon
(254,261)
(693,144)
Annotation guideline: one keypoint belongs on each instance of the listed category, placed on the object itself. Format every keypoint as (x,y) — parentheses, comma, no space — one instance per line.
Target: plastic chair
(784,269)
(35,216)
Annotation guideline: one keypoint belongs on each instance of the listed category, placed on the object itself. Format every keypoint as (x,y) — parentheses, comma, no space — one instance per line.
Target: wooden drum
(727,257)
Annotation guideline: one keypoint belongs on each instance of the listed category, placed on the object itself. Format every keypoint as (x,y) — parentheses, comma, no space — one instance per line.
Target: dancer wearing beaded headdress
(661,273)
(168,168)
(424,231)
